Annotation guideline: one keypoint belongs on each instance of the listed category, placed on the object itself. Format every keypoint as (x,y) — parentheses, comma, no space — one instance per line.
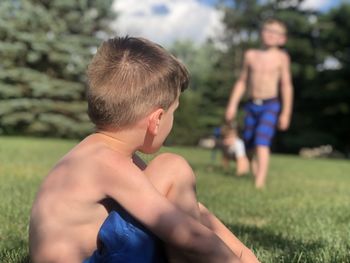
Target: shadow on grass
(285,250)
(245,177)
(15,251)
(219,170)
(14,256)
(291,249)
(209,167)
(25,259)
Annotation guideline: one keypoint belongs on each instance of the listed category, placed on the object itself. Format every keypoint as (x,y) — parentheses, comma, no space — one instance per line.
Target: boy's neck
(267,48)
(118,142)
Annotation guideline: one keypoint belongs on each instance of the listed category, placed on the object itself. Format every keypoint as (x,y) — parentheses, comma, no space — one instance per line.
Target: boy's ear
(154,121)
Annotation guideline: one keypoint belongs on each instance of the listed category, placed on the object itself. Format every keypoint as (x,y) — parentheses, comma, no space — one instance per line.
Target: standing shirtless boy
(101,202)
(264,72)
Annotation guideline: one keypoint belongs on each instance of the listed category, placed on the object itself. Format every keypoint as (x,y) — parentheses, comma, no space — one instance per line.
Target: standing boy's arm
(134,192)
(213,223)
(286,93)
(238,90)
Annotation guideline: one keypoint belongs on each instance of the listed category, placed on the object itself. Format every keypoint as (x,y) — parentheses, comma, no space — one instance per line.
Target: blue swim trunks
(124,240)
(260,122)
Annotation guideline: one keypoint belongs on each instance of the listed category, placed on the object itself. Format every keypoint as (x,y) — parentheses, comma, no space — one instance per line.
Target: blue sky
(323,5)
(165,21)
(330,4)
(208,2)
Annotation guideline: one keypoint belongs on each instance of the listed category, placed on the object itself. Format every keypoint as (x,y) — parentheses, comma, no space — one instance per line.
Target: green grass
(302,216)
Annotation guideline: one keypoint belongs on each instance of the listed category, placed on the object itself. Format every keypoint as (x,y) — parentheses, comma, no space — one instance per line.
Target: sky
(164,21)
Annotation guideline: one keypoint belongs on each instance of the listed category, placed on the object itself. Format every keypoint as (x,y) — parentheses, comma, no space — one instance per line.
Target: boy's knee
(175,164)
(170,159)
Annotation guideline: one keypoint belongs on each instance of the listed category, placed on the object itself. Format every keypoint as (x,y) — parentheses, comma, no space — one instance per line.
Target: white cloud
(330,63)
(315,4)
(164,21)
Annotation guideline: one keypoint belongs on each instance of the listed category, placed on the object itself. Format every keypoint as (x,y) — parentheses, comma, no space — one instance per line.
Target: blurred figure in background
(233,149)
(266,73)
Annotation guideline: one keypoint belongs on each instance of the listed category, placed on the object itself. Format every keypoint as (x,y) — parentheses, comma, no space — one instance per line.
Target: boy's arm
(133,191)
(286,94)
(238,90)
(213,223)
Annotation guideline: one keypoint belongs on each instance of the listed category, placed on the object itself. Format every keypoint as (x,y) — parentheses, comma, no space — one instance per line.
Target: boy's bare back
(68,211)
(75,198)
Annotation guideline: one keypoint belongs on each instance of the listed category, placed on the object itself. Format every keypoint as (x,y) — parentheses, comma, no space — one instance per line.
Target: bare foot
(259,184)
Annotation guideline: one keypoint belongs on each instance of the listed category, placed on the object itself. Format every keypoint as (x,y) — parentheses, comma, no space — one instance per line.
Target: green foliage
(186,130)
(198,112)
(321,92)
(45,47)
(302,216)
(335,109)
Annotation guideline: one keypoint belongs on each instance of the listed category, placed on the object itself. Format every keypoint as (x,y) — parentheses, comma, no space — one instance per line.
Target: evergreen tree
(199,111)
(45,46)
(334,107)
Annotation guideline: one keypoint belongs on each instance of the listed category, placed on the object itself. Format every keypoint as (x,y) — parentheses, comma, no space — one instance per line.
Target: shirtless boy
(101,203)
(266,76)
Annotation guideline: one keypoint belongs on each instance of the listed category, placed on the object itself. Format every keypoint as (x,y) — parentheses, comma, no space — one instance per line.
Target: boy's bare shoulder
(108,159)
(95,157)
(250,53)
(283,54)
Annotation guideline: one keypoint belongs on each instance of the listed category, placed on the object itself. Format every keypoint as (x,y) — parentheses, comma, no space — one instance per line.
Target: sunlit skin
(68,213)
(242,163)
(265,74)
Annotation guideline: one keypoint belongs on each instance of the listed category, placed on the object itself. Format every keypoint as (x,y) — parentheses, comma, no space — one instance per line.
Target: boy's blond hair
(275,21)
(128,78)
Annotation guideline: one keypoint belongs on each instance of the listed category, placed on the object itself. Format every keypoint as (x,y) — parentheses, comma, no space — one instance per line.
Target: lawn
(302,216)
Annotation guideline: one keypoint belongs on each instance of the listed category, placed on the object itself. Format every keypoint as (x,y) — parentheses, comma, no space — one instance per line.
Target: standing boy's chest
(263,63)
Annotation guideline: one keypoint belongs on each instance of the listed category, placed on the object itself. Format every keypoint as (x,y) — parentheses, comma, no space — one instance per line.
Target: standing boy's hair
(272,20)
(128,78)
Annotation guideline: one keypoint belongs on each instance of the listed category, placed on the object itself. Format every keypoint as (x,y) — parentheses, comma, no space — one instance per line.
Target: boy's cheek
(282,41)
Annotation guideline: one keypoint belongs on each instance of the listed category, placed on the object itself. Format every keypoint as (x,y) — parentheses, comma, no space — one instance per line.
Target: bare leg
(212,222)
(173,177)
(263,157)
(242,166)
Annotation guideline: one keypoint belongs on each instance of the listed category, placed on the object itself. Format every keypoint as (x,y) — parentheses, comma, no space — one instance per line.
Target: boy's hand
(230,115)
(283,122)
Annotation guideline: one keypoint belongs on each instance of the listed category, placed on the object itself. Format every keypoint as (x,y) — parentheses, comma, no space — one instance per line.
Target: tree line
(45,47)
